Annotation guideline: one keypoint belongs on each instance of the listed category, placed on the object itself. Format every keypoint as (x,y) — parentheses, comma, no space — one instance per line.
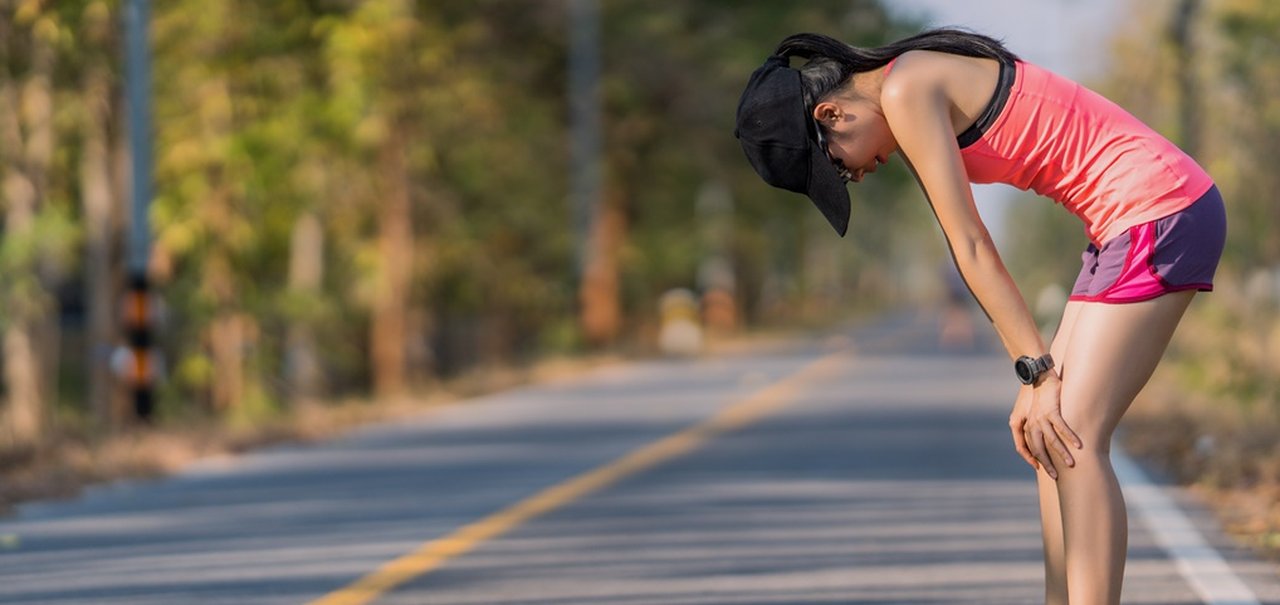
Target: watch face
(1024,371)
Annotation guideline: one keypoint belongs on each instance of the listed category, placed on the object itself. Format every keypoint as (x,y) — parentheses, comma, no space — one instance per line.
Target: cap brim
(828,192)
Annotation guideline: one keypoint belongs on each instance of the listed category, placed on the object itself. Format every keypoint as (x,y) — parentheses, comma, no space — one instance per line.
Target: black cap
(780,140)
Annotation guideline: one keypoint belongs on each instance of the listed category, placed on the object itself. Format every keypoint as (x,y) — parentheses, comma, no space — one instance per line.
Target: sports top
(1079,149)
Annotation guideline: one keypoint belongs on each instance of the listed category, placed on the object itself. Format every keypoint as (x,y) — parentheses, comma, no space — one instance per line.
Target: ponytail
(832,62)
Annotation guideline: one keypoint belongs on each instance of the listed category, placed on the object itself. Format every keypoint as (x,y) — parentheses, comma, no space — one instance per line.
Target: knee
(1095,449)
(1093,423)
(1092,455)
(1094,443)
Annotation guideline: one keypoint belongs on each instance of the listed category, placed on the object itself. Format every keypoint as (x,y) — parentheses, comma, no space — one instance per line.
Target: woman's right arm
(918,112)
(917,108)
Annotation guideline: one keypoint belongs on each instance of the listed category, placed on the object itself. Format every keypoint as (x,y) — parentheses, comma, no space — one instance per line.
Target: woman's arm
(982,260)
(918,111)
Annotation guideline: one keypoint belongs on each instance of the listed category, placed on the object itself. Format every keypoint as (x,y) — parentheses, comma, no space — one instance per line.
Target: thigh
(1058,348)
(1112,351)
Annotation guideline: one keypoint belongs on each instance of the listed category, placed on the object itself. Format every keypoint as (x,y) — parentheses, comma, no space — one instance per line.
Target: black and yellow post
(141,364)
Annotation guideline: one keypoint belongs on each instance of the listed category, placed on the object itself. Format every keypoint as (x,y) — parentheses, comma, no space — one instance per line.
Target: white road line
(1201,565)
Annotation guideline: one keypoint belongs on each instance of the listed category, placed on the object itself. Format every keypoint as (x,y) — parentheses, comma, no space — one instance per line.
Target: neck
(869,83)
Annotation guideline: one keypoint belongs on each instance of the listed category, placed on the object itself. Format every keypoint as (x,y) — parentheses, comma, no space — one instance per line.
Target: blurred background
(354,204)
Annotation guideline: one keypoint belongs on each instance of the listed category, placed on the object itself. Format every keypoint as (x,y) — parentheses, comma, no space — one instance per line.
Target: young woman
(960,108)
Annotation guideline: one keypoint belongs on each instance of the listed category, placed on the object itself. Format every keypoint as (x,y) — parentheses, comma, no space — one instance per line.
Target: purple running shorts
(1177,252)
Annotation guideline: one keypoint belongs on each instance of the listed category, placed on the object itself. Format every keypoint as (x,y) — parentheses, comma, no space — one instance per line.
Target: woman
(960,108)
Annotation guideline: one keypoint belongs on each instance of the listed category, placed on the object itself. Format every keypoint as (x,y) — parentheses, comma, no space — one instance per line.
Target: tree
(1247,91)
(28,34)
(98,203)
(377,57)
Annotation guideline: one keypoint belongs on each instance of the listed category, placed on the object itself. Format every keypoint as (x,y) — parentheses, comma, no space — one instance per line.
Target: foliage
(268,112)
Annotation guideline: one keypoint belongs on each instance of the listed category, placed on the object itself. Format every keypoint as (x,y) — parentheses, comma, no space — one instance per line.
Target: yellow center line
(431,555)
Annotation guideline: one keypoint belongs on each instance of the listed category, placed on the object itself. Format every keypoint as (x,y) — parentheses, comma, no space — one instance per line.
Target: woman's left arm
(918,112)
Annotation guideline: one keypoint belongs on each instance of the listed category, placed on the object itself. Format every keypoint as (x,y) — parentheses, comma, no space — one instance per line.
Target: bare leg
(1112,352)
(1055,552)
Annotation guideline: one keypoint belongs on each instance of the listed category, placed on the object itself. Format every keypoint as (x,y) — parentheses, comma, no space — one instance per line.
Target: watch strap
(1043,364)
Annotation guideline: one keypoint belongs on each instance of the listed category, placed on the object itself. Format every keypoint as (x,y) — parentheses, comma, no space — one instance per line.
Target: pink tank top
(1074,146)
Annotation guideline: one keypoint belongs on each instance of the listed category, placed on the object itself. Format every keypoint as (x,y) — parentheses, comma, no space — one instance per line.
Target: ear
(827,112)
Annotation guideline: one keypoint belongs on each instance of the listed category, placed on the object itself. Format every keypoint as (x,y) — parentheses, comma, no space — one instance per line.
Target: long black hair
(832,62)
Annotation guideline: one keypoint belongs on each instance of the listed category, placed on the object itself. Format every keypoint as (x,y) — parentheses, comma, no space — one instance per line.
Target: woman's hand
(1018,419)
(1037,425)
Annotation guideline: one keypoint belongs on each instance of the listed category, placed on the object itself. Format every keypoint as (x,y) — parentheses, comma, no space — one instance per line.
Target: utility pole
(584,125)
(139,365)
(1181,33)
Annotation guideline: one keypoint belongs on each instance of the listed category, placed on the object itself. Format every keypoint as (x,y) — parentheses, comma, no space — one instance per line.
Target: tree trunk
(97,201)
(23,411)
(226,340)
(22,371)
(26,138)
(306,270)
(599,294)
(226,337)
(226,328)
(395,249)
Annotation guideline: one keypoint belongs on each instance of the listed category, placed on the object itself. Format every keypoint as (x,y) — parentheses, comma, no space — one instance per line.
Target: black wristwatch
(1030,369)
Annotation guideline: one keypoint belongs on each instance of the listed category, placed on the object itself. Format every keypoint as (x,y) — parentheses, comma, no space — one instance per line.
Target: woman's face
(857,135)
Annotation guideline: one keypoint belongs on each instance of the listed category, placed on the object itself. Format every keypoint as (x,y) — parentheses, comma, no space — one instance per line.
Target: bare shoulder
(964,84)
(928,68)
(915,74)
(916,64)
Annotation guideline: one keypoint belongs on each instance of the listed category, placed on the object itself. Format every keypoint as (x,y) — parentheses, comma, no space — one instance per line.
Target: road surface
(866,467)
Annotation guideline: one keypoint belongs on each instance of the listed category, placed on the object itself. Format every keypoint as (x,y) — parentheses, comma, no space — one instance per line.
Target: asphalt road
(868,467)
